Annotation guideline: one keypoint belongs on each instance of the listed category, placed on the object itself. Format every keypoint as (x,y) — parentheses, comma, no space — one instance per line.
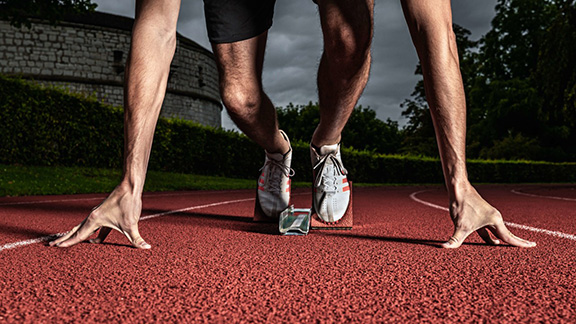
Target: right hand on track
(474,214)
(120,211)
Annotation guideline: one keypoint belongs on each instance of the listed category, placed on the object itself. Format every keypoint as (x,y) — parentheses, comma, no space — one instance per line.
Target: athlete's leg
(344,68)
(430,24)
(240,70)
(347,27)
(152,49)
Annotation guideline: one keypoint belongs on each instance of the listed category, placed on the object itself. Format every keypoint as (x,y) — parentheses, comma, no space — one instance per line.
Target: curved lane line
(53,236)
(514,225)
(539,196)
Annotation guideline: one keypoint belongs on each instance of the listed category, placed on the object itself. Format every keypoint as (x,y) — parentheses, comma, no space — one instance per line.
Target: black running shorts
(229,21)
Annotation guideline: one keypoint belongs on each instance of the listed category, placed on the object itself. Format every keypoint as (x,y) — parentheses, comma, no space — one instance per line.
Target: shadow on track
(406,240)
(237,223)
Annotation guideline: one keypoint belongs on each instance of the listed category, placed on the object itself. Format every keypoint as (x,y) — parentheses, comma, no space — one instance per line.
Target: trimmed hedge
(48,126)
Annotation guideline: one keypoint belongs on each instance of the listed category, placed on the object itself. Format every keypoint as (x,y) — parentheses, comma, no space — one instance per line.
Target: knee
(241,100)
(349,46)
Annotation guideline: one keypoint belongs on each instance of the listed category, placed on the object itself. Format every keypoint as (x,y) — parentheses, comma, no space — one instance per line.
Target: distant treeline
(520,84)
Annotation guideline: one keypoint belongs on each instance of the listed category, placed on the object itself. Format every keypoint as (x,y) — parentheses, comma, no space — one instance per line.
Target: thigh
(240,63)
(346,20)
(230,21)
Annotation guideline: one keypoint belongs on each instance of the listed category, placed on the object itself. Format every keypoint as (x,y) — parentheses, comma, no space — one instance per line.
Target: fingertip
(145,246)
(95,240)
(450,245)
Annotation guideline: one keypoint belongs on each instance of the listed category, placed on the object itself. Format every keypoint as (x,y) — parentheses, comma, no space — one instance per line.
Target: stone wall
(87,54)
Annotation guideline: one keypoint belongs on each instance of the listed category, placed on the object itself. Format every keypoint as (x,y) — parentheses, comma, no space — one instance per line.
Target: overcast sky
(295,44)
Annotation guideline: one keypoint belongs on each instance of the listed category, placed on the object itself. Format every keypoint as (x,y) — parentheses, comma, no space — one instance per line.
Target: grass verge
(17,180)
(32,180)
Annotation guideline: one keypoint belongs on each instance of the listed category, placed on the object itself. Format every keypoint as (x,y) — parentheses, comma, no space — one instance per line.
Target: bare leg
(240,69)
(345,64)
(152,50)
(430,23)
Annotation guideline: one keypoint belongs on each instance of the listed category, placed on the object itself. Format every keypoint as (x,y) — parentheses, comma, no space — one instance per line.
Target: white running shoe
(331,188)
(274,182)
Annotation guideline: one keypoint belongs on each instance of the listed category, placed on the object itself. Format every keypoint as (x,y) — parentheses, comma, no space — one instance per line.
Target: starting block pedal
(259,215)
(345,223)
(294,221)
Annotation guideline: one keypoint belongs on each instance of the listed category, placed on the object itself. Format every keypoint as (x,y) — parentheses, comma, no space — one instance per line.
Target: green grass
(16,180)
(28,180)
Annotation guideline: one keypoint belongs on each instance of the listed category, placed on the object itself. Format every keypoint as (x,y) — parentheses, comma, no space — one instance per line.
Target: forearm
(445,96)
(147,72)
(430,24)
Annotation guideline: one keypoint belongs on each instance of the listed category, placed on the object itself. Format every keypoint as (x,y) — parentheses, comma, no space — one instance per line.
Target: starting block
(298,221)
(294,221)
(259,215)
(345,223)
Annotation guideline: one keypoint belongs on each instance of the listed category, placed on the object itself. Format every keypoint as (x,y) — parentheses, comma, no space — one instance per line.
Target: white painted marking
(544,231)
(540,196)
(413,196)
(28,242)
(50,237)
(48,201)
(195,207)
(520,226)
(104,197)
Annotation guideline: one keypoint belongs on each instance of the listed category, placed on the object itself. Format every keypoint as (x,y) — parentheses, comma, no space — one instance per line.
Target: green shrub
(48,127)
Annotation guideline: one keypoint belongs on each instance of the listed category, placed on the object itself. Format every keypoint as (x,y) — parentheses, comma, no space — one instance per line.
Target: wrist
(133,186)
(458,188)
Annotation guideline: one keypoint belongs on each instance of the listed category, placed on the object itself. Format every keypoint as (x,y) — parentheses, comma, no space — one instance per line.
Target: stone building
(88,53)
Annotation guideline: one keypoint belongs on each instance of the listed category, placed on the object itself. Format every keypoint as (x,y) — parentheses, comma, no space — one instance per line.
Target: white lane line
(104,197)
(53,236)
(48,201)
(540,196)
(514,225)
(28,242)
(413,197)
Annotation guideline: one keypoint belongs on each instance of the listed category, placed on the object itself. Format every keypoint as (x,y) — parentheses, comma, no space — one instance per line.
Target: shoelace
(275,180)
(328,179)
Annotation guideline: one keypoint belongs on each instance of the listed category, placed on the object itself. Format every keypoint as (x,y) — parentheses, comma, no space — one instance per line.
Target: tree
(18,12)
(510,49)
(556,68)
(364,131)
(525,76)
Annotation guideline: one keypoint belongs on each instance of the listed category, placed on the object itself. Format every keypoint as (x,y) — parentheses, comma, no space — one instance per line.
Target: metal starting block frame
(294,221)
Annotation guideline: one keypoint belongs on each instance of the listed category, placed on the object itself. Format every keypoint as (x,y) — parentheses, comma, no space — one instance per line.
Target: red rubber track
(215,265)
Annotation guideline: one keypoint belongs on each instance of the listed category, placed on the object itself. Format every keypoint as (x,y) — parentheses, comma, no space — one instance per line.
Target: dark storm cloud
(295,44)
